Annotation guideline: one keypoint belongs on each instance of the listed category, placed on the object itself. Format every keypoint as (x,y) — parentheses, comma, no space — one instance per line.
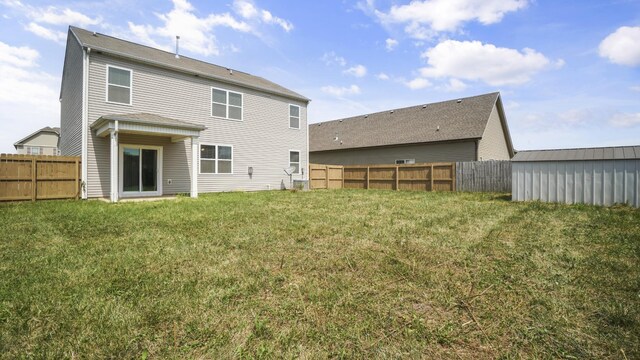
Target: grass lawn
(354,274)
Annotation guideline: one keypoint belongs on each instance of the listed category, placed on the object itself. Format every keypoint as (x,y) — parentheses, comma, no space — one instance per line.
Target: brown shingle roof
(443,121)
(119,47)
(580,154)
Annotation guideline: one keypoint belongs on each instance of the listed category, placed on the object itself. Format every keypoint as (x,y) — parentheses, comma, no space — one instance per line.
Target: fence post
(367,178)
(342,177)
(453,174)
(326,178)
(431,176)
(397,179)
(34,184)
(77,180)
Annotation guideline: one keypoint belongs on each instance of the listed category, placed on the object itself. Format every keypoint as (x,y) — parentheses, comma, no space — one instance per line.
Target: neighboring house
(597,176)
(147,122)
(41,142)
(468,129)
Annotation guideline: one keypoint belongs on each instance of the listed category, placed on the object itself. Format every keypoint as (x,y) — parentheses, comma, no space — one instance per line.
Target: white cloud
(248,10)
(51,16)
(196,33)
(331,58)
(635,88)
(622,46)
(475,61)
(18,56)
(422,19)
(418,83)
(341,91)
(625,119)
(43,32)
(357,71)
(64,17)
(382,76)
(455,85)
(28,95)
(391,44)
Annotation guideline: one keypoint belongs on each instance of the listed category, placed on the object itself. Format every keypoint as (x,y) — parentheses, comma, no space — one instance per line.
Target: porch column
(195,156)
(114,165)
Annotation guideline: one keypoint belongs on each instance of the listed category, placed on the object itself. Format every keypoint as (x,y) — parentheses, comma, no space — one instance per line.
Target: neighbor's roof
(127,49)
(580,154)
(147,119)
(443,121)
(55,130)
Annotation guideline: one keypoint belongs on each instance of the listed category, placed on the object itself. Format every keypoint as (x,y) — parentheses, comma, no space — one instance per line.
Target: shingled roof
(122,48)
(457,119)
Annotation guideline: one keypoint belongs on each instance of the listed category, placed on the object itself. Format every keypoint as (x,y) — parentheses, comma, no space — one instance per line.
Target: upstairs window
(118,85)
(34,150)
(216,159)
(294,116)
(294,160)
(226,104)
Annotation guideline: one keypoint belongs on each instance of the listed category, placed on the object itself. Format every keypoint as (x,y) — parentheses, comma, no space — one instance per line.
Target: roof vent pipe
(95,34)
(459,101)
(177,47)
(391,112)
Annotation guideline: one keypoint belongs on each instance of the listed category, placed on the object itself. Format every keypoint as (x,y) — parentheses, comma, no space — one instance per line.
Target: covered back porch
(144,150)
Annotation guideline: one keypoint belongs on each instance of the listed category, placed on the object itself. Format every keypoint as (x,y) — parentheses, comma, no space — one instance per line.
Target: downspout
(308,167)
(85,120)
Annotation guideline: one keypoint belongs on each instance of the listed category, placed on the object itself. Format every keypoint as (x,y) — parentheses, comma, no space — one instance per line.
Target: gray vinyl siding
(599,182)
(71,100)
(493,145)
(262,140)
(438,152)
(44,150)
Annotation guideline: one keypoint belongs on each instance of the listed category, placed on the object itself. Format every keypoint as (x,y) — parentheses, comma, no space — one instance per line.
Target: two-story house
(147,122)
(42,142)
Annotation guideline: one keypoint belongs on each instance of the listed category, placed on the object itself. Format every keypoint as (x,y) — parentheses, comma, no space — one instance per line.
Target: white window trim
(299,116)
(121,191)
(106,92)
(226,105)
(299,160)
(233,154)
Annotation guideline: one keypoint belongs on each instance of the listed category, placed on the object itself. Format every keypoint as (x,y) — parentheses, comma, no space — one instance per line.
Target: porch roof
(144,123)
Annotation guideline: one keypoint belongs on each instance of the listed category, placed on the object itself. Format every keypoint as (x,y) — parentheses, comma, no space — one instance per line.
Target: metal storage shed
(598,176)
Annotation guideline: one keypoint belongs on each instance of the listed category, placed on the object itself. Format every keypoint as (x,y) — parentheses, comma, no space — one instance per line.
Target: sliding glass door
(140,170)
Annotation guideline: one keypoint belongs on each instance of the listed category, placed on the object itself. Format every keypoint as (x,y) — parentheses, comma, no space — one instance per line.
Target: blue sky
(568,71)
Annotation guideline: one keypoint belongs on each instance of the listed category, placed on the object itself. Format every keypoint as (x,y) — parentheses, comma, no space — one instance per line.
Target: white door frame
(158,192)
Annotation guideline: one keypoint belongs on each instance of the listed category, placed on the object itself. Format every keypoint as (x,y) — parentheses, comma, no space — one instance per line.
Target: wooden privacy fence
(423,177)
(36,177)
(483,176)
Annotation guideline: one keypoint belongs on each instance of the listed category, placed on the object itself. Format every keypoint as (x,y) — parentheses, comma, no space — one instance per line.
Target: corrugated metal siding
(262,140)
(605,182)
(449,152)
(71,102)
(493,145)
